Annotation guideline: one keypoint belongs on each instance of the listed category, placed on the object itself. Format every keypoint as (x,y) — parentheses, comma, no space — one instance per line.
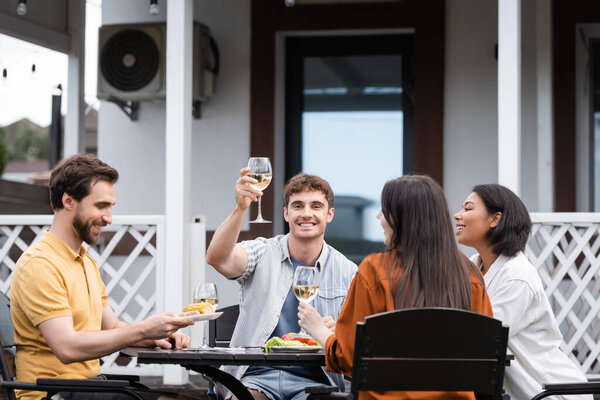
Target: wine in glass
(305,286)
(206,292)
(260,169)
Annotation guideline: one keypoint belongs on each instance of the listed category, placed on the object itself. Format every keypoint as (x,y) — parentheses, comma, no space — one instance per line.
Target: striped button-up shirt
(265,285)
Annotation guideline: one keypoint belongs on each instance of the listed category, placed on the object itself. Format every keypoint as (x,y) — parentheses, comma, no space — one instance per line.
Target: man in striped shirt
(265,269)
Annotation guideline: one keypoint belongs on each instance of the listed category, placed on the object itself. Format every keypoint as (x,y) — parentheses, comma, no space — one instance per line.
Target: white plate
(295,349)
(204,317)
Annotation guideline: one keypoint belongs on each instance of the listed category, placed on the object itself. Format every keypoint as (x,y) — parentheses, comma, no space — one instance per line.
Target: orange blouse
(370,294)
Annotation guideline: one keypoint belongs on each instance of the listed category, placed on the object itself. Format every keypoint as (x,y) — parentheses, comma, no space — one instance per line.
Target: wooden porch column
(178,160)
(509,94)
(74,141)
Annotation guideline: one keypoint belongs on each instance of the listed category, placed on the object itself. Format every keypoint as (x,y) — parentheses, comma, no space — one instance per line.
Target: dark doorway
(350,119)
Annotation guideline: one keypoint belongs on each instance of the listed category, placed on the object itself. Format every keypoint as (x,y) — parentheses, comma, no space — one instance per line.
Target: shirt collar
(63,249)
(285,252)
(495,268)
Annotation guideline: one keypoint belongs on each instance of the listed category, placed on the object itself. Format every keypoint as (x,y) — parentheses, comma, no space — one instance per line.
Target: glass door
(349,119)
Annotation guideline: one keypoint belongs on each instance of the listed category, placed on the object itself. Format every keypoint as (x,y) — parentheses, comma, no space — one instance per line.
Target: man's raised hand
(244,193)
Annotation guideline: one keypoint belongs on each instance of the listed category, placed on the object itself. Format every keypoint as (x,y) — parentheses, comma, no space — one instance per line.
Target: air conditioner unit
(132,62)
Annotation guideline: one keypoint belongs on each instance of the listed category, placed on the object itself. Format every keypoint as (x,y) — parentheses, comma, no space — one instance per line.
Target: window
(349,119)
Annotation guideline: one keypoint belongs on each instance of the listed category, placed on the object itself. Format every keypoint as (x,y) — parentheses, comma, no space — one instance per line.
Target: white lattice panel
(564,247)
(130,257)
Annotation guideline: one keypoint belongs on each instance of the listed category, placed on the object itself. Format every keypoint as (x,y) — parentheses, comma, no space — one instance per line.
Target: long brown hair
(435,273)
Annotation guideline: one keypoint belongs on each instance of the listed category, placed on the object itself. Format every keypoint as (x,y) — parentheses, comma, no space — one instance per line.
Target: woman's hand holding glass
(305,286)
(316,326)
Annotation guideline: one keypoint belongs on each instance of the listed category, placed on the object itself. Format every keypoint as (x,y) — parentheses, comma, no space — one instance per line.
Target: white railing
(130,256)
(564,247)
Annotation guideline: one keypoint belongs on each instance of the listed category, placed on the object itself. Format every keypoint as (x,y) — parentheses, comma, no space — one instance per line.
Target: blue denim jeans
(279,384)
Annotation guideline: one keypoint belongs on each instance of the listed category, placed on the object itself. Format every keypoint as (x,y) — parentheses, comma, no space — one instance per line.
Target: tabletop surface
(241,356)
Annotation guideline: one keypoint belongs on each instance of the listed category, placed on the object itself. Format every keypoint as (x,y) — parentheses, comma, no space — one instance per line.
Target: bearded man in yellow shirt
(59,307)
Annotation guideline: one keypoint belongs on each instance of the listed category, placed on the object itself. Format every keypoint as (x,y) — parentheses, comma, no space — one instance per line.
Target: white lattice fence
(130,256)
(564,247)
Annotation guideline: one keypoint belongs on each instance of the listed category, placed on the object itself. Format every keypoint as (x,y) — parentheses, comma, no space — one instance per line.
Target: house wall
(220,139)
(529,113)
(471,100)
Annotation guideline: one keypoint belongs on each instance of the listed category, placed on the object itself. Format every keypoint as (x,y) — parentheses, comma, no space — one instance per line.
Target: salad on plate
(290,342)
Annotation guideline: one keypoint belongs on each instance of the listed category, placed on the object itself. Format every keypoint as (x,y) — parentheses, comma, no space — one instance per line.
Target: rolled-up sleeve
(255,250)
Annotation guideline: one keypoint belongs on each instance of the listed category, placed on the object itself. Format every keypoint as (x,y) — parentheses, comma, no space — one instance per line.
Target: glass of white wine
(206,292)
(306,286)
(260,169)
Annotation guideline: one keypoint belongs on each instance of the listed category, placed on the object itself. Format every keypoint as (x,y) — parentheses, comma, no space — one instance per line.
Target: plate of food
(296,349)
(200,312)
(291,344)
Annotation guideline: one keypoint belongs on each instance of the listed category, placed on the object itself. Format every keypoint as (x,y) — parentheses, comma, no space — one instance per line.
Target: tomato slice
(288,336)
(291,336)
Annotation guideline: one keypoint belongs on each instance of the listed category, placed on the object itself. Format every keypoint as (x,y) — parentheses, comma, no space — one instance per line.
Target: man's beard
(85,230)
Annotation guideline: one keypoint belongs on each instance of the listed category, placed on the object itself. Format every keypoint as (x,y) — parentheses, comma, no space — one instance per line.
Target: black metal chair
(435,349)
(221,329)
(567,388)
(428,349)
(124,384)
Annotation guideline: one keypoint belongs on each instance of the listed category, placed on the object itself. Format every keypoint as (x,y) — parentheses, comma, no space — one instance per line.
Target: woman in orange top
(422,255)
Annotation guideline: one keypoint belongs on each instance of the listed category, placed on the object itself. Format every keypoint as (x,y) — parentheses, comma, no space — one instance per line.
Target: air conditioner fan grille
(129,60)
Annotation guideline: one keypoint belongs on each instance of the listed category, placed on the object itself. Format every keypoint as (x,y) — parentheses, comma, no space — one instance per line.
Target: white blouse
(518,299)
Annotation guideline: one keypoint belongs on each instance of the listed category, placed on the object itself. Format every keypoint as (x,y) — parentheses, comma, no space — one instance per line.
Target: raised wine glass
(260,169)
(306,286)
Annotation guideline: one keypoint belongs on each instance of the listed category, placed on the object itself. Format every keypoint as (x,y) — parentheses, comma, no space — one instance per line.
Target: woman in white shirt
(496,223)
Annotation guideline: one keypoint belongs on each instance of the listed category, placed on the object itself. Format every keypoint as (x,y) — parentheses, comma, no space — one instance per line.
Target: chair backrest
(8,350)
(221,329)
(435,349)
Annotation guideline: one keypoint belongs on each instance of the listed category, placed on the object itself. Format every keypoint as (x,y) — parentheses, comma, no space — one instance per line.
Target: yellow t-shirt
(51,280)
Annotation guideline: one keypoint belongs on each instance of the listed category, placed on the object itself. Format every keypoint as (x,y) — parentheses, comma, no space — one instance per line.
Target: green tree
(39,145)
(30,143)
(22,142)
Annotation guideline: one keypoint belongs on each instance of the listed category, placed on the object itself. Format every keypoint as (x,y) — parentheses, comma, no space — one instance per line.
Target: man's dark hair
(511,234)
(75,176)
(304,182)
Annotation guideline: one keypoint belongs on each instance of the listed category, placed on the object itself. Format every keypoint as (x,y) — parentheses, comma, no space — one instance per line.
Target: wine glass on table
(306,286)
(203,292)
(206,292)
(260,169)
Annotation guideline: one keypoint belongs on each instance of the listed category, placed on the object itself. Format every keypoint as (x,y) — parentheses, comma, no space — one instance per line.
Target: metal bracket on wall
(128,107)
(197,109)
